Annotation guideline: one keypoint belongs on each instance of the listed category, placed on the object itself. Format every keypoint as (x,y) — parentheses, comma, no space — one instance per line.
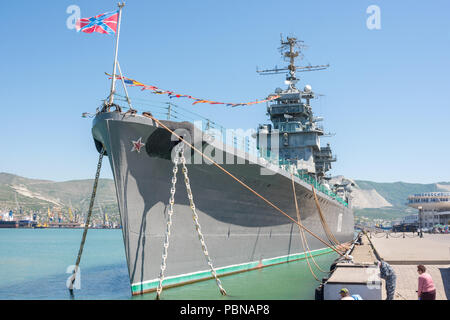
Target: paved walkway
(404,254)
(431,249)
(363,253)
(407,281)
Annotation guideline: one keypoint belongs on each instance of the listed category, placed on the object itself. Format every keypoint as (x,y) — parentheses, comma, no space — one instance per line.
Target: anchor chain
(169,222)
(179,156)
(88,219)
(197,224)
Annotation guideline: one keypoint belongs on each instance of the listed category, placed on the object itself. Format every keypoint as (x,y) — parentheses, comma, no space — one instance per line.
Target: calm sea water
(33,265)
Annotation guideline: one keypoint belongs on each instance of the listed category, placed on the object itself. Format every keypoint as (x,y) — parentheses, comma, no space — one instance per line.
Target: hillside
(372,200)
(39,195)
(396,194)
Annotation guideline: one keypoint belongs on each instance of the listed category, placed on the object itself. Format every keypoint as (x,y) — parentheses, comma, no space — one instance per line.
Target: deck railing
(238,139)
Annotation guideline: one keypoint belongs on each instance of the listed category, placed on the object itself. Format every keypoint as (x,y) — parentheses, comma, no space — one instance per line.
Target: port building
(435,208)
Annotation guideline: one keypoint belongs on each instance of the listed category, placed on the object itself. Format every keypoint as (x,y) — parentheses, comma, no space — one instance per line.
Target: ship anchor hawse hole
(161,142)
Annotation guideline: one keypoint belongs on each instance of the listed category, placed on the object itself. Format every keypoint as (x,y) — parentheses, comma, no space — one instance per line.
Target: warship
(242,231)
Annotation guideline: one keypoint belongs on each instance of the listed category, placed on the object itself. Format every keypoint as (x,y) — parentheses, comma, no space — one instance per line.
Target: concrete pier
(64,225)
(405,251)
(407,281)
(361,276)
(394,249)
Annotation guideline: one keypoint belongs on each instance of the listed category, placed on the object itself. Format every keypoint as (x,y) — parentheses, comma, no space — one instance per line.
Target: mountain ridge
(373,199)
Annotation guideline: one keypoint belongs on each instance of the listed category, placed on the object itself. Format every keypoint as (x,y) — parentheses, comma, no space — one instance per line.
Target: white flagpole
(113,83)
(124,86)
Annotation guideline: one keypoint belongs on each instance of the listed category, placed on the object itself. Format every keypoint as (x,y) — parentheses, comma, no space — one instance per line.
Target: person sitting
(426,290)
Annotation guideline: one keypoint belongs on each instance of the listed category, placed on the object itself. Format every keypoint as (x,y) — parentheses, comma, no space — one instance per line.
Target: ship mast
(288,51)
(291,54)
(116,50)
(294,132)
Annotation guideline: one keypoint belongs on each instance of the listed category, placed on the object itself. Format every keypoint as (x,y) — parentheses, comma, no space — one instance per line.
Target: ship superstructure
(294,134)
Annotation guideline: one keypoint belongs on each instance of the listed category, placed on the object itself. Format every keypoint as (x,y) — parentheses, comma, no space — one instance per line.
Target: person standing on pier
(387,273)
(426,290)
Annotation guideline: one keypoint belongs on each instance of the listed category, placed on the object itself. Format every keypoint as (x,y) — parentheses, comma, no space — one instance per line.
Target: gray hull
(241,231)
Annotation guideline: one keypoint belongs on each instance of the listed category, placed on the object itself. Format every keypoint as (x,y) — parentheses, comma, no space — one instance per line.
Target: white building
(435,208)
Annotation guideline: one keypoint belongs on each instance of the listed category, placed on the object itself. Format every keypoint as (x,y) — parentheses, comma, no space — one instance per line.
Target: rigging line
(211,122)
(242,183)
(140,99)
(305,245)
(149,106)
(194,113)
(190,115)
(175,105)
(143,100)
(144,104)
(178,115)
(153,109)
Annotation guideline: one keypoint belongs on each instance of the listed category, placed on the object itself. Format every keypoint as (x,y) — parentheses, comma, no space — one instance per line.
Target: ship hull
(241,231)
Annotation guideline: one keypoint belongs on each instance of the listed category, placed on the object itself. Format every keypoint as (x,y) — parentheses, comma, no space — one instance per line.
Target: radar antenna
(287,50)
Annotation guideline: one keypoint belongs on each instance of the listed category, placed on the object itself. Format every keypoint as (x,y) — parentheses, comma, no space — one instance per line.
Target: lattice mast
(287,50)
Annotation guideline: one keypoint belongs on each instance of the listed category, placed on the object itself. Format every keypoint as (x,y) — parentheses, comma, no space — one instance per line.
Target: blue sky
(386,92)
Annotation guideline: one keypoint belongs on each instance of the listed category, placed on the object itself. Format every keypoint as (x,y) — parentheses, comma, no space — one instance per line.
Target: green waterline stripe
(205,274)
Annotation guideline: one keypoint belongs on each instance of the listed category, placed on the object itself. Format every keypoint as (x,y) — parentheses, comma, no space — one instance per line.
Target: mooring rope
(88,219)
(305,245)
(301,230)
(240,182)
(325,226)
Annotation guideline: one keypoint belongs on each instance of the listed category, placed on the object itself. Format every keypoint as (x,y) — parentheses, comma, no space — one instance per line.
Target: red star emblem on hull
(137,145)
